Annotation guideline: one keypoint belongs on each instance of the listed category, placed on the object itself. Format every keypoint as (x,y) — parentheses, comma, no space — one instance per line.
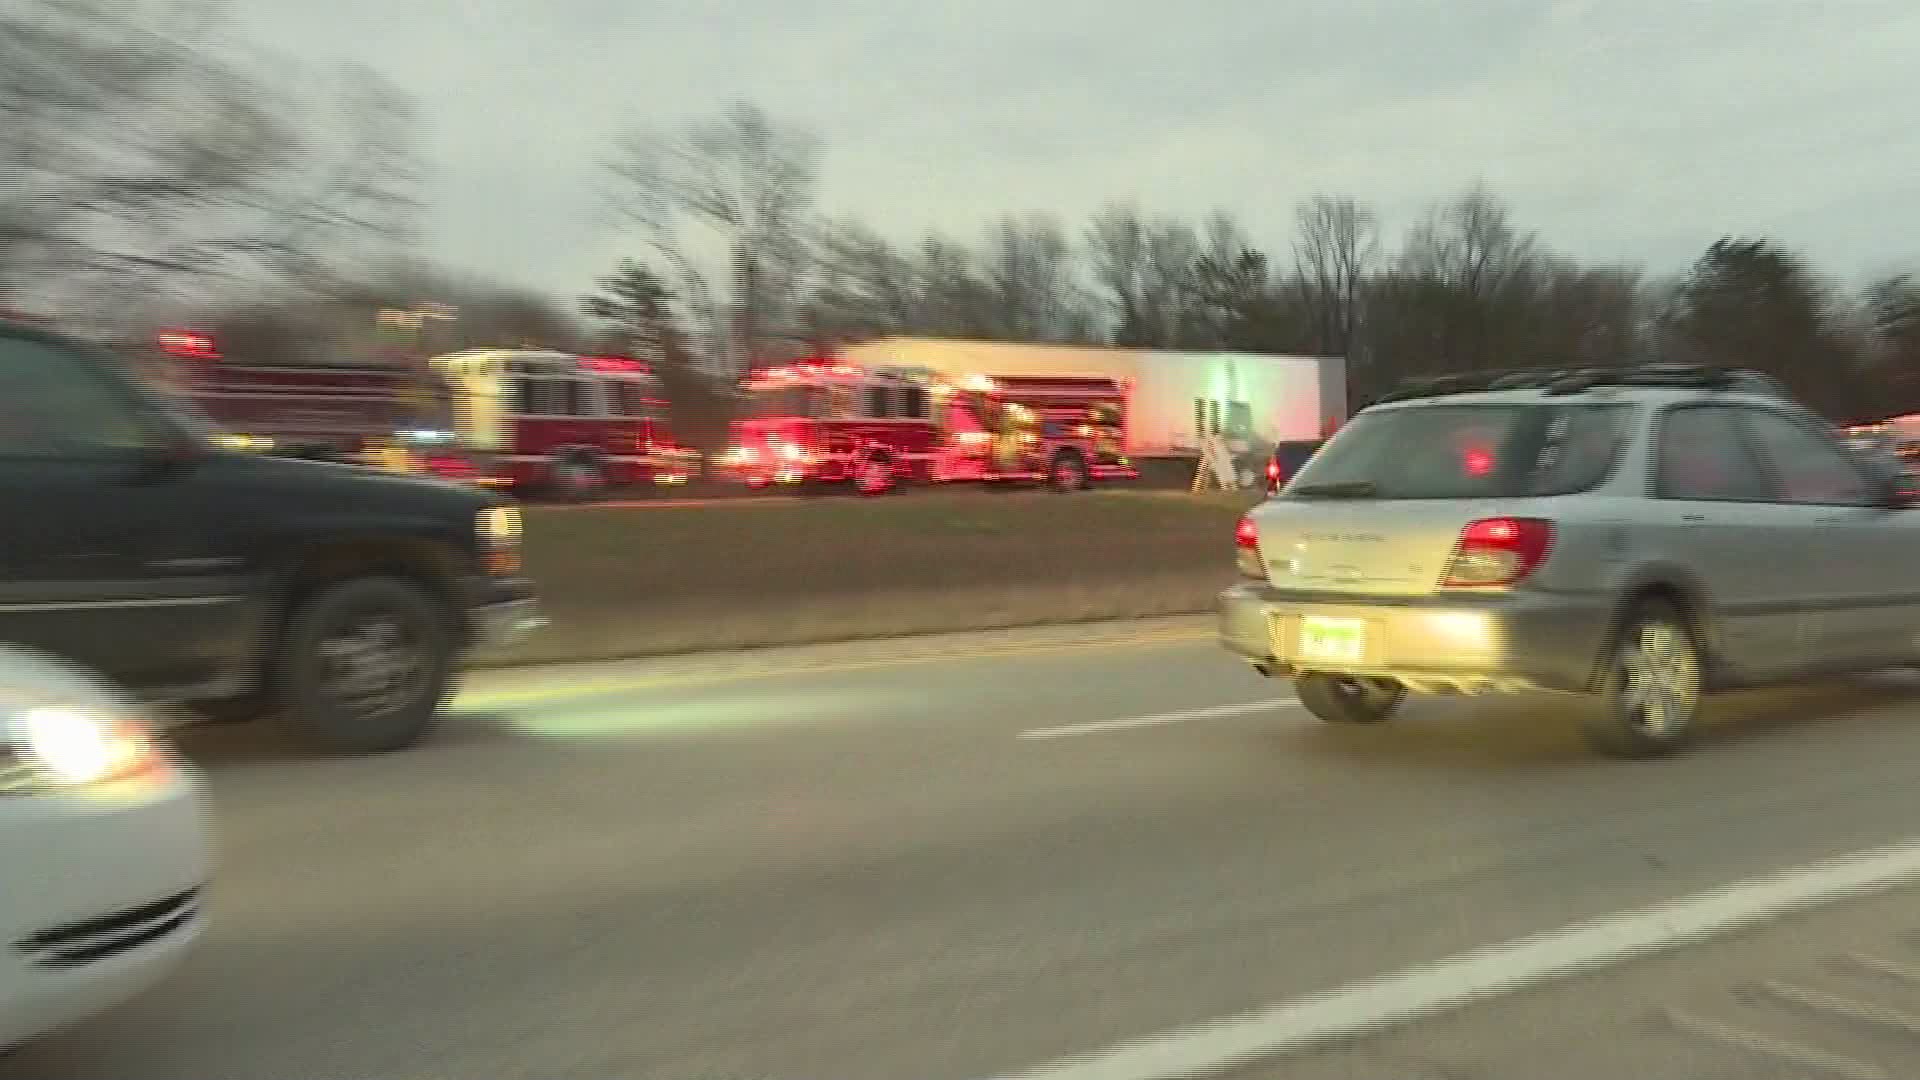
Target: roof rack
(1558,381)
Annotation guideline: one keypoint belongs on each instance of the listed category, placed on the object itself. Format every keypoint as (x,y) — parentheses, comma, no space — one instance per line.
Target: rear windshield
(1467,452)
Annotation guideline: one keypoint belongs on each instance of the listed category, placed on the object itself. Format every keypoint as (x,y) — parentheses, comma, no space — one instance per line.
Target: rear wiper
(1346,489)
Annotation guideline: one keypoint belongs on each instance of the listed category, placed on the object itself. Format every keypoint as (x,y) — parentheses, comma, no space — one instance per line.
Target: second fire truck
(875,428)
(563,426)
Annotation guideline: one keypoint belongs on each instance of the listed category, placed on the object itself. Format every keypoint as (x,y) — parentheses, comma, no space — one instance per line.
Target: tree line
(147,166)
(1466,288)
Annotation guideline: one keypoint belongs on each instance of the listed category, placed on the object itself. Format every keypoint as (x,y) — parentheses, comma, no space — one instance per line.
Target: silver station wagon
(1643,534)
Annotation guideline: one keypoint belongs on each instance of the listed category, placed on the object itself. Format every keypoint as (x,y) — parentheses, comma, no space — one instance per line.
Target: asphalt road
(946,868)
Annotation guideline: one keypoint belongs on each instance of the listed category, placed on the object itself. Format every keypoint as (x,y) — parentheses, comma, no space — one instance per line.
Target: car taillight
(1498,551)
(1273,477)
(1246,542)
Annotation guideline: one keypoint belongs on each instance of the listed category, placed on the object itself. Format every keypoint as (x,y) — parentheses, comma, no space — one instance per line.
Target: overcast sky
(1631,130)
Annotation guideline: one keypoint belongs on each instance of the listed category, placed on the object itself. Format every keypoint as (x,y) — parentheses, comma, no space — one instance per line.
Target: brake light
(1273,477)
(1246,542)
(1498,551)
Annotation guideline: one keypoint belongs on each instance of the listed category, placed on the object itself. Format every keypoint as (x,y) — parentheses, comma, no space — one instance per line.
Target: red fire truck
(566,426)
(824,422)
(375,414)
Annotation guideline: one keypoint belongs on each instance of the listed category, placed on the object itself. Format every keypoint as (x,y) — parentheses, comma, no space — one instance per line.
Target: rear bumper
(1468,644)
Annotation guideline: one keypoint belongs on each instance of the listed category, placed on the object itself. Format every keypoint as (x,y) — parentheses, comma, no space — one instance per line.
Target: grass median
(621,582)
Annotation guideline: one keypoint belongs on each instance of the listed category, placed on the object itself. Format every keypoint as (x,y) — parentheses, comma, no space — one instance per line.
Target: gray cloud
(1633,130)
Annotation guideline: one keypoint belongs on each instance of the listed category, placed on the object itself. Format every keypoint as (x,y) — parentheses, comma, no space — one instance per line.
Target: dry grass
(647,582)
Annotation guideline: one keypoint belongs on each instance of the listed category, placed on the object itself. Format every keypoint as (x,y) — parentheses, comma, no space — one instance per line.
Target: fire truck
(384,415)
(823,422)
(565,426)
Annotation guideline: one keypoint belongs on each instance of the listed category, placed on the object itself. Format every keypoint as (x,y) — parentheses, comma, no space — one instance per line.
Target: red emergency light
(805,369)
(614,365)
(188,345)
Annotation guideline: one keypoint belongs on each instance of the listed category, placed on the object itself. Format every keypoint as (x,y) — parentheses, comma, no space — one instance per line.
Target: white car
(104,838)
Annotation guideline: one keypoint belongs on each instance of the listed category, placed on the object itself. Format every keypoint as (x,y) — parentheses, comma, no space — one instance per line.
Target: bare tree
(862,285)
(1148,270)
(1246,308)
(1029,269)
(138,159)
(735,191)
(1470,244)
(1335,247)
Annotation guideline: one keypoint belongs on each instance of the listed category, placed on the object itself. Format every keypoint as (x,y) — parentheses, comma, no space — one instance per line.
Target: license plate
(1340,641)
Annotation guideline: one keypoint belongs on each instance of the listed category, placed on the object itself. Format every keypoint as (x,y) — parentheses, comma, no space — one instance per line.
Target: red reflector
(1245,534)
(1498,551)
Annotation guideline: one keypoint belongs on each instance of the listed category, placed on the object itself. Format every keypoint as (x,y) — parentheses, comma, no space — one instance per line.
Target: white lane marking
(1213,712)
(1363,1007)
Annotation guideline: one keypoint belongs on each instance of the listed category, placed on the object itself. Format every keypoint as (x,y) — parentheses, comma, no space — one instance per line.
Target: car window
(1811,468)
(55,403)
(1702,455)
(1467,452)
(1579,449)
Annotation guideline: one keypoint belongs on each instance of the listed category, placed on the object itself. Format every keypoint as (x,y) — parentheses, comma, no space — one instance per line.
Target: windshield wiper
(1346,489)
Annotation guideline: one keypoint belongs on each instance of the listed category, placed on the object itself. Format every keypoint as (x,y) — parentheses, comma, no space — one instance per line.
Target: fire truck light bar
(188,345)
(614,365)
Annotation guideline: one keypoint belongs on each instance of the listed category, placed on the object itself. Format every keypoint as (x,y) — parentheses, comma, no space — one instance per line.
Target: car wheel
(1651,687)
(578,480)
(1346,700)
(874,476)
(1069,472)
(366,664)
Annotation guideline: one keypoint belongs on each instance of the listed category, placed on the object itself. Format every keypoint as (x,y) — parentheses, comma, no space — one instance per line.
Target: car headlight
(53,747)
(497,530)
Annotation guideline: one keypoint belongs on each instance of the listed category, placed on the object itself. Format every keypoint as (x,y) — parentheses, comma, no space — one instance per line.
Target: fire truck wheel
(365,664)
(1068,472)
(874,476)
(577,478)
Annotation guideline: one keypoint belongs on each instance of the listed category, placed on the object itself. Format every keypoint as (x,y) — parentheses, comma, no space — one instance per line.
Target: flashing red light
(1478,462)
(188,345)
(613,365)
(452,468)
(1498,551)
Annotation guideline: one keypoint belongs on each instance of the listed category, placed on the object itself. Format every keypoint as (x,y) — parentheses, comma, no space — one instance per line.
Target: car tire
(1341,700)
(874,476)
(1651,685)
(579,479)
(1067,473)
(366,664)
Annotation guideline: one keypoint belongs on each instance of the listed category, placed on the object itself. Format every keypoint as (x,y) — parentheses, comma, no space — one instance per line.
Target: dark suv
(337,597)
